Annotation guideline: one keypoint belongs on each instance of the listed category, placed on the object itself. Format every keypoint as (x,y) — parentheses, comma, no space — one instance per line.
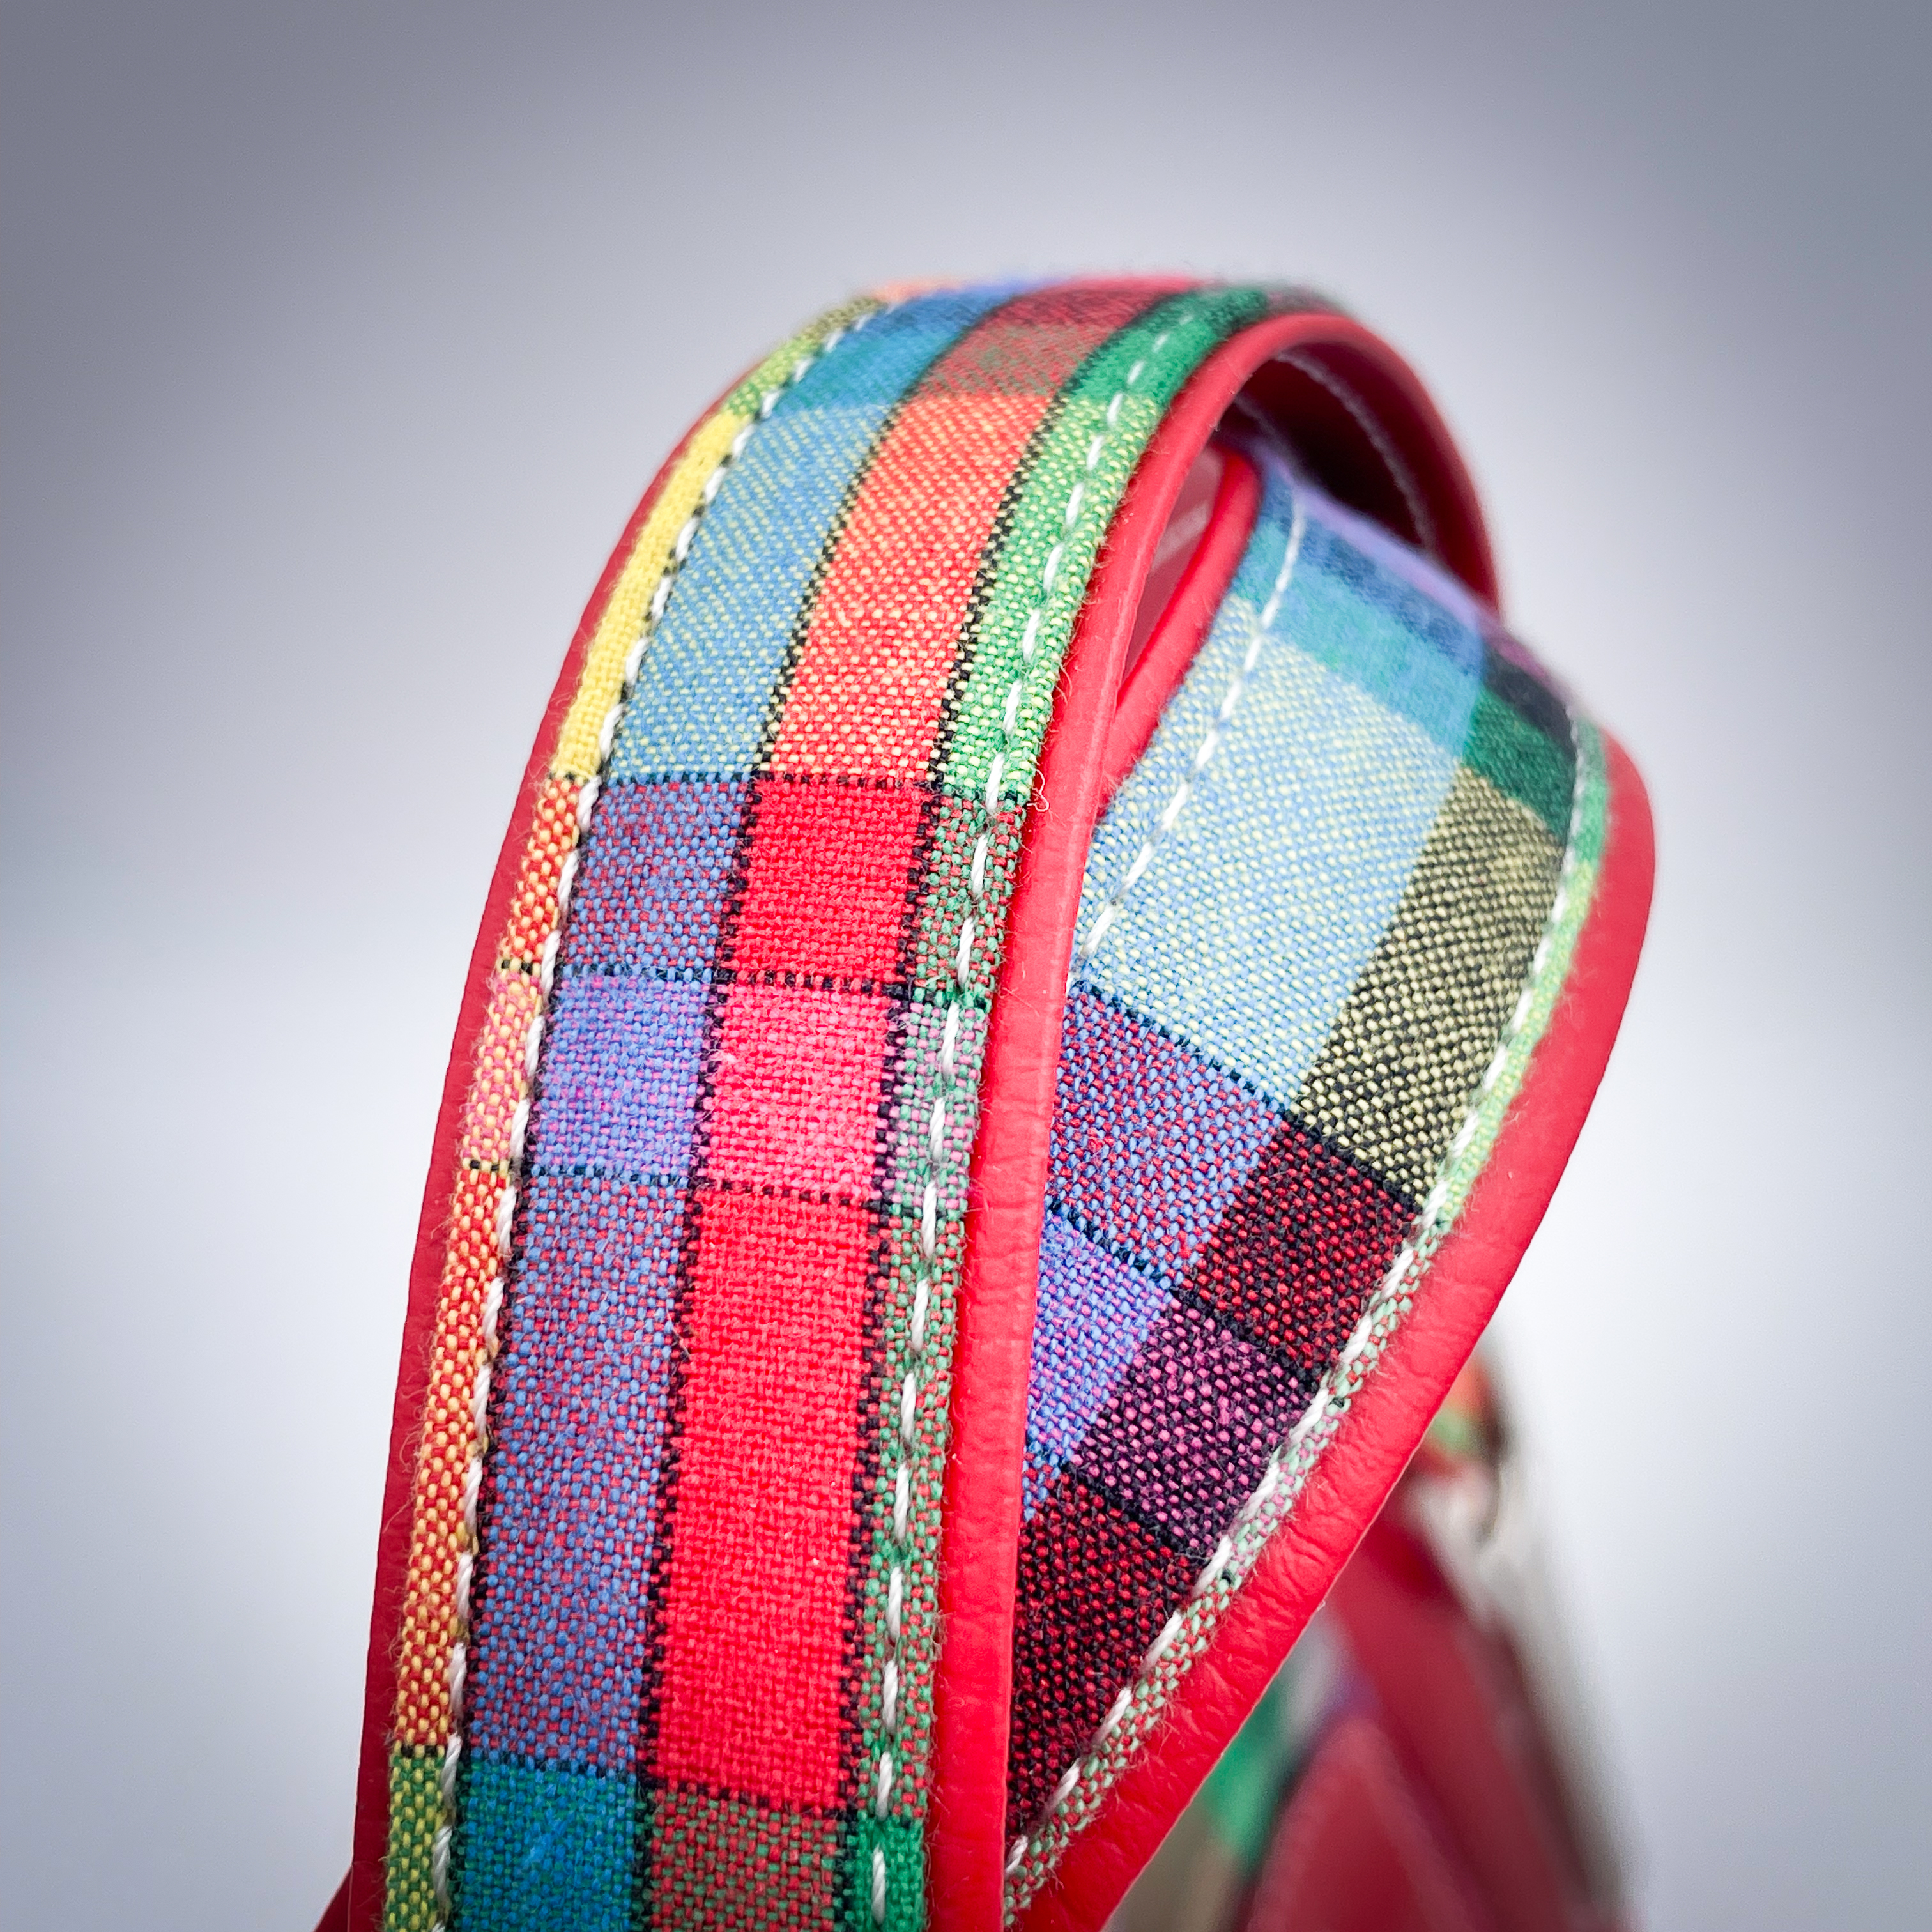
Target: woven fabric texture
(667,1648)
(1288,992)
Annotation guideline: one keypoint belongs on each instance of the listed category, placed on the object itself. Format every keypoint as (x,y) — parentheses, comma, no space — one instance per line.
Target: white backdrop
(337,342)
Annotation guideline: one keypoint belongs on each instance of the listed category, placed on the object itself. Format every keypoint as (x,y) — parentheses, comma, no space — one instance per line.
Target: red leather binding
(1152,675)
(967,1833)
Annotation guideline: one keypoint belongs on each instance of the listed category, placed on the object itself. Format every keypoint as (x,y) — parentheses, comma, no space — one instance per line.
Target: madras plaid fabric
(1299,1000)
(668,1642)
(667,1653)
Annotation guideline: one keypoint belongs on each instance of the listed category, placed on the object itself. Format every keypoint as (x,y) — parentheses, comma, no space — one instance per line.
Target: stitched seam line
(1203,755)
(958,996)
(469,1542)
(1288,1469)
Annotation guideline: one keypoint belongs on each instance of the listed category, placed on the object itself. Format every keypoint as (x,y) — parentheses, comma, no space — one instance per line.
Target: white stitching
(1425,1229)
(961,990)
(1203,755)
(469,1548)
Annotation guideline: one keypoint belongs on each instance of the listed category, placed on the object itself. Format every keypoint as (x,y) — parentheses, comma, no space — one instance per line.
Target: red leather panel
(1358,1852)
(1452,1703)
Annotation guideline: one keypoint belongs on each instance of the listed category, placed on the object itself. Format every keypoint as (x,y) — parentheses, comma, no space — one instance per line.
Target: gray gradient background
(337,342)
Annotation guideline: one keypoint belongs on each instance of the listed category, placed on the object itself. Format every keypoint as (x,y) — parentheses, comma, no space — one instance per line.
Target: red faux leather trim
(965,1841)
(358,1905)
(1385,1423)
(1175,638)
